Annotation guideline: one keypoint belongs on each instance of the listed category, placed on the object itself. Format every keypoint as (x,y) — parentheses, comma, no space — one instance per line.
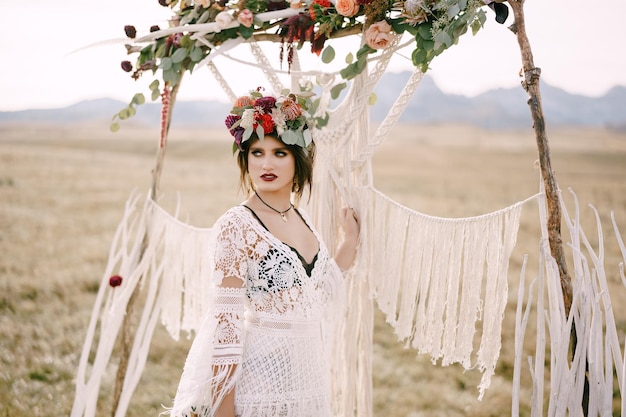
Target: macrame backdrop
(441,283)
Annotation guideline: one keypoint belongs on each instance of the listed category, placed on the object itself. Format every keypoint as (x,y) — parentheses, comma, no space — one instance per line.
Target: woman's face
(271,165)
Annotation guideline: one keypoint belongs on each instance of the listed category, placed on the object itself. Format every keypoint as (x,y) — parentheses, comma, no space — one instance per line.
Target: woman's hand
(349,223)
(346,251)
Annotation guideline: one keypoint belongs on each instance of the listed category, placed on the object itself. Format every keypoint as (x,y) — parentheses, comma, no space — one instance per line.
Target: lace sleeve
(211,367)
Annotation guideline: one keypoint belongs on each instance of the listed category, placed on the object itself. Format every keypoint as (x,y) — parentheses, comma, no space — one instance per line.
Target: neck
(278,201)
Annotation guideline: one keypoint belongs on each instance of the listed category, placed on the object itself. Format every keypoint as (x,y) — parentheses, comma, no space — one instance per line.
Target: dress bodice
(276,280)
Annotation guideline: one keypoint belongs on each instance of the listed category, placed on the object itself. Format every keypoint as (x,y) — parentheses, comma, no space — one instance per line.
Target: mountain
(500,108)
(494,109)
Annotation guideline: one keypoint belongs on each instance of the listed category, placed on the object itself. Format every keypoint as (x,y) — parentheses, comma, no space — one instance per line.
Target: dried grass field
(62,194)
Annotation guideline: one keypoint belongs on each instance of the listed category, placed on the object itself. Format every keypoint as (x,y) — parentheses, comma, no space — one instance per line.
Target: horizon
(222,100)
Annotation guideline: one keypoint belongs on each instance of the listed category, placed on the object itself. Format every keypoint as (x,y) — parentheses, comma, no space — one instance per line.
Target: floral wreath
(286,115)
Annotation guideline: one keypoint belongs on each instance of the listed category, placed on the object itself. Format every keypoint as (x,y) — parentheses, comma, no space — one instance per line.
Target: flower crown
(256,114)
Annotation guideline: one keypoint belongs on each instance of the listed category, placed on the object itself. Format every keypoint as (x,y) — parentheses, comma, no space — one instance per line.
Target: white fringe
(163,257)
(598,355)
(435,278)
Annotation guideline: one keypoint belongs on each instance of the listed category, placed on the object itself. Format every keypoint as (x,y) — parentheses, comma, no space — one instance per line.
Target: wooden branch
(125,341)
(531,85)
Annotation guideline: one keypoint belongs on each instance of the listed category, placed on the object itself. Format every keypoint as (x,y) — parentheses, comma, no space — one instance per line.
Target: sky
(57,53)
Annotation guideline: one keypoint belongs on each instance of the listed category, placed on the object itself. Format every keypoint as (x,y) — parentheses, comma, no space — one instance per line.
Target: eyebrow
(260,148)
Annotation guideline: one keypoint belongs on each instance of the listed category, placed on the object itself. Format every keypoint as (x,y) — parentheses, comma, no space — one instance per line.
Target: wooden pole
(168,98)
(531,85)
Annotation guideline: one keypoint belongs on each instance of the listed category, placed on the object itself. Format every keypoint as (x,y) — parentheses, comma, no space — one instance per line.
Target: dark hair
(304,159)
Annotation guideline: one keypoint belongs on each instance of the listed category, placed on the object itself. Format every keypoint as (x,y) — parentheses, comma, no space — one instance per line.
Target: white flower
(223,19)
(279,121)
(247,119)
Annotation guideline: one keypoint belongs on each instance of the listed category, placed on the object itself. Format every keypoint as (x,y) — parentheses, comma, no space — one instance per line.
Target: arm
(206,388)
(228,343)
(346,251)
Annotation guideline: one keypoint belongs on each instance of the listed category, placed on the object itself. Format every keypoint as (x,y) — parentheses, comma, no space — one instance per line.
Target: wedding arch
(439,289)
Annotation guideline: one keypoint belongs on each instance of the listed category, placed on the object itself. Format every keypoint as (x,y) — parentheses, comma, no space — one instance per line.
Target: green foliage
(434,29)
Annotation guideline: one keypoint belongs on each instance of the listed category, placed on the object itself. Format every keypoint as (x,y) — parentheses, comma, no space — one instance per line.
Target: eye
(281,153)
(256,152)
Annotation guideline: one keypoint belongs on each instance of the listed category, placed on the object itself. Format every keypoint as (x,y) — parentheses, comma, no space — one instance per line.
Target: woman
(261,351)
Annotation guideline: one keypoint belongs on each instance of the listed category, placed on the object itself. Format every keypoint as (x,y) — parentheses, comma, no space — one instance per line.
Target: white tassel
(437,277)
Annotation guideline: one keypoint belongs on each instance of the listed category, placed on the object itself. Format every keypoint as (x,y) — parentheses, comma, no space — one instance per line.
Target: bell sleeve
(211,368)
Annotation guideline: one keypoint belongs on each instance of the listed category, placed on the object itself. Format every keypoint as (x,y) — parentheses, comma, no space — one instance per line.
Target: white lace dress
(264,336)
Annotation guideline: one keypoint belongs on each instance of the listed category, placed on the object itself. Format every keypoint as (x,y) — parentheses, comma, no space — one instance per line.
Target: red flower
(267,103)
(266,122)
(115,281)
(324,4)
(298,28)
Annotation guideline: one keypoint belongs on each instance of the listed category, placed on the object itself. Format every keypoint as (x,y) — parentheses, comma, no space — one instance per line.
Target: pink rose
(245,18)
(347,8)
(378,35)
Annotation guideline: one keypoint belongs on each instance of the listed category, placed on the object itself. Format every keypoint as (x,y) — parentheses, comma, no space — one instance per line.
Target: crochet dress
(264,336)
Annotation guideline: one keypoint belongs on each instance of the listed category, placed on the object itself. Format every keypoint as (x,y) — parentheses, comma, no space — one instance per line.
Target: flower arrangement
(434,24)
(288,116)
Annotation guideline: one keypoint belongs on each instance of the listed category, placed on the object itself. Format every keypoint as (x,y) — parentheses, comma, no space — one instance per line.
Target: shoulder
(237,217)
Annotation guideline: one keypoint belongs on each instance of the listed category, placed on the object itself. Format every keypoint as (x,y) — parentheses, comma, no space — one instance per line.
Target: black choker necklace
(282,213)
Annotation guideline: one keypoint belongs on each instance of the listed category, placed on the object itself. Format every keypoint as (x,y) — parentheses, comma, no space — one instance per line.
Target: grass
(62,192)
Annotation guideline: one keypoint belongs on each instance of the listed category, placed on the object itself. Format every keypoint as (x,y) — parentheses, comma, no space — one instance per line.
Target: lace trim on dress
(308,266)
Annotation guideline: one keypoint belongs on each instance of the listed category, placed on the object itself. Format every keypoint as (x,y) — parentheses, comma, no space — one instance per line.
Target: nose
(266,163)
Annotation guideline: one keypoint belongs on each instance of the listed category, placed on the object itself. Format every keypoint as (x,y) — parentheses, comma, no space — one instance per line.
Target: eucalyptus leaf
(361,64)
(459,31)
(424,31)
(196,54)
(186,42)
(138,99)
(114,127)
(290,137)
(131,111)
(349,58)
(160,52)
(155,94)
(154,85)
(328,54)
(372,99)
(365,50)
(189,17)
(476,26)
(124,114)
(442,39)
(418,57)
(428,45)
(306,135)
(336,90)
(166,63)
(246,134)
(348,72)
(179,55)
(260,132)
(204,17)
(322,121)
(453,10)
